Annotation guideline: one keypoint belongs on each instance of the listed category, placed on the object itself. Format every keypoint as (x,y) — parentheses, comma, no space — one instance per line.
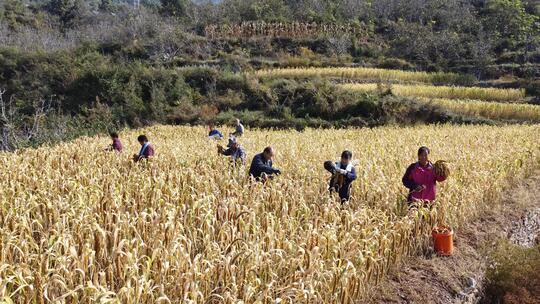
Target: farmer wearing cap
(147,150)
(262,167)
(234,150)
(420,178)
(343,174)
(214,133)
(239,129)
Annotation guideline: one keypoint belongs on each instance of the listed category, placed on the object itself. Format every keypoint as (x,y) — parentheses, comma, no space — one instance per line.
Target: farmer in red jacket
(116,143)
(420,178)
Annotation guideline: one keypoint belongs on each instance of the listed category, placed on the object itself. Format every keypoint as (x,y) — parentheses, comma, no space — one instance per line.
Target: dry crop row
(445,92)
(365,74)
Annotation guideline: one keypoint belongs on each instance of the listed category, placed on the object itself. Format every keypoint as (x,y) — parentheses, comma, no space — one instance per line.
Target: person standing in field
(147,150)
(234,150)
(343,174)
(214,133)
(262,167)
(420,178)
(239,129)
(116,143)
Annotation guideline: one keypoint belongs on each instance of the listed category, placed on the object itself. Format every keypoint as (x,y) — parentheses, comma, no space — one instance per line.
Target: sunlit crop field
(361,73)
(79,225)
(447,92)
(492,110)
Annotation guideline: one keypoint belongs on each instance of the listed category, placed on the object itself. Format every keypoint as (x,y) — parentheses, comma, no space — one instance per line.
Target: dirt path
(459,278)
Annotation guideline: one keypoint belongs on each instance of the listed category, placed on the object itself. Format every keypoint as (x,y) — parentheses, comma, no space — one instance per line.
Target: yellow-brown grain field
(79,225)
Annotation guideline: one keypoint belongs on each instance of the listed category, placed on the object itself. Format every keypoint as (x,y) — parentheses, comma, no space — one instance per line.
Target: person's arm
(407,179)
(262,167)
(227,152)
(243,157)
(351,175)
(274,170)
(329,166)
(439,178)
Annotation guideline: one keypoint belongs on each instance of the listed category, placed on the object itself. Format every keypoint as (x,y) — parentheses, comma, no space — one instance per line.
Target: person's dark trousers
(345,193)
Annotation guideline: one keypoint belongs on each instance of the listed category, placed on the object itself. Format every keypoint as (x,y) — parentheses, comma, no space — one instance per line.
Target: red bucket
(443,240)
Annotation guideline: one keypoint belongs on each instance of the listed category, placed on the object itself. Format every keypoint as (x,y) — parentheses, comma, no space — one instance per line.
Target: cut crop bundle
(441,168)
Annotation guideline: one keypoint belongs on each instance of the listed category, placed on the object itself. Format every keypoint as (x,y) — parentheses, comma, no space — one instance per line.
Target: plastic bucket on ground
(443,240)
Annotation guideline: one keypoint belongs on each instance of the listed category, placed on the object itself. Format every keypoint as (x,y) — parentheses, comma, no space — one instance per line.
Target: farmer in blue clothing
(262,167)
(147,149)
(234,150)
(214,133)
(343,174)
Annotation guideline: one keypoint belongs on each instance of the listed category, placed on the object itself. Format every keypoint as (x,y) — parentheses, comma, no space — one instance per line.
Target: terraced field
(444,90)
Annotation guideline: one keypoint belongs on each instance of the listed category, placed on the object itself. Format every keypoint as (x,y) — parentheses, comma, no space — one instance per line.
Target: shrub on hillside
(395,64)
(516,276)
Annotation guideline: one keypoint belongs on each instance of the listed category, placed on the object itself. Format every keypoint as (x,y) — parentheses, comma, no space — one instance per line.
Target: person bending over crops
(343,174)
(116,143)
(234,150)
(147,150)
(261,167)
(214,133)
(239,129)
(421,178)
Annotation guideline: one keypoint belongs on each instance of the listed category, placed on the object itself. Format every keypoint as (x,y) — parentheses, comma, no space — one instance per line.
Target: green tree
(511,22)
(176,8)
(252,10)
(15,13)
(106,5)
(68,11)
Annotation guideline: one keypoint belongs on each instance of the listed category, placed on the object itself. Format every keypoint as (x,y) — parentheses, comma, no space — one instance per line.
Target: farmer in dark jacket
(343,174)
(147,150)
(234,150)
(261,166)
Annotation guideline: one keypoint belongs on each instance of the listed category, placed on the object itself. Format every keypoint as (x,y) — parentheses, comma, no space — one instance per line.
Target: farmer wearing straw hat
(421,179)
(343,174)
(234,150)
(147,150)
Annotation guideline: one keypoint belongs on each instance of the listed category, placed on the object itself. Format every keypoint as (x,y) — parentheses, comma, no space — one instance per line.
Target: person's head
(268,153)
(233,143)
(142,139)
(346,157)
(423,155)
(237,121)
(114,135)
(211,127)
